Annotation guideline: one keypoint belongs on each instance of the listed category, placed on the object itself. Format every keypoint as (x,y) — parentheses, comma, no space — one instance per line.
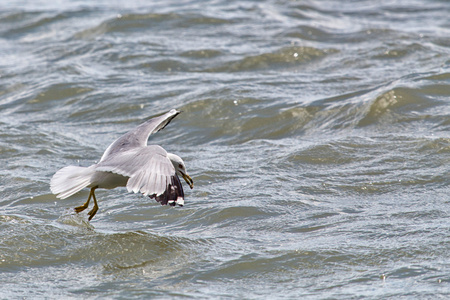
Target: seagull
(131,163)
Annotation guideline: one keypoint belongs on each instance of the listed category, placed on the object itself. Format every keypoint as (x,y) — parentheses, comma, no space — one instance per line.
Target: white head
(180,168)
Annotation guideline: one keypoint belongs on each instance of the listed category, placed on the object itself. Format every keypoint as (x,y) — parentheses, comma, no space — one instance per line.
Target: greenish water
(316,132)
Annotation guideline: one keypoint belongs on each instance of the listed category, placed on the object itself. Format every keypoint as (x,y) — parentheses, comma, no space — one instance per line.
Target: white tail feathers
(70,180)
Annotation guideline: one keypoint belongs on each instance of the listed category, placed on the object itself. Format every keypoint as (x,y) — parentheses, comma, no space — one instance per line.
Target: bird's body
(129,162)
(107,180)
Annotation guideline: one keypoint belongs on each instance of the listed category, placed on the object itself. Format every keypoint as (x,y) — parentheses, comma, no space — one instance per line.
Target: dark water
(317,134)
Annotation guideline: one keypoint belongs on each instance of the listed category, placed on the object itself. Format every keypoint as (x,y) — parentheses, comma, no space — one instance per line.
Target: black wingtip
(173,193)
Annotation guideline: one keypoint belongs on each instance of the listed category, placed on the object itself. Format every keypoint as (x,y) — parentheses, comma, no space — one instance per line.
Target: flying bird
(129,162)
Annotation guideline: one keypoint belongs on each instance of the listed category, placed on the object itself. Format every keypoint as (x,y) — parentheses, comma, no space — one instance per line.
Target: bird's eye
(180,166)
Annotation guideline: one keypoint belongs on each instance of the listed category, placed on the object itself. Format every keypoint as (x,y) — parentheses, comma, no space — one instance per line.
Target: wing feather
(137,137)
(149,169)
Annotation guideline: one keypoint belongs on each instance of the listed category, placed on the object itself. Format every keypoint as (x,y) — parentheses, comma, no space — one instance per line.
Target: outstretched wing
(150,170)
(138,136)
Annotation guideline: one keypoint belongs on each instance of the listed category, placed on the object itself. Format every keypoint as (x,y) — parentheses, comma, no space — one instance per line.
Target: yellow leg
(95,208)
(85,205)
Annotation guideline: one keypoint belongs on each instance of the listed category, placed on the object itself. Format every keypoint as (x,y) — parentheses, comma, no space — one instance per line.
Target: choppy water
(317,134)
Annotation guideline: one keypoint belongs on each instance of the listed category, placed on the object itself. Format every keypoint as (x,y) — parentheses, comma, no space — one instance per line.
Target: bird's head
(180,168)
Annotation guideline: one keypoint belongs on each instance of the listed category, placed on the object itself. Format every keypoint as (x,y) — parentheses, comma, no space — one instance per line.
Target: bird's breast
(108,180)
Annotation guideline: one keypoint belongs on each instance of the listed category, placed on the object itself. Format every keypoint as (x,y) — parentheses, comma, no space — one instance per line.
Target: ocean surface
(317,134)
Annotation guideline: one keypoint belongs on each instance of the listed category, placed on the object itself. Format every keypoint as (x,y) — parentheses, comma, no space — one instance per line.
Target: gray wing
(150,170)
(138,136)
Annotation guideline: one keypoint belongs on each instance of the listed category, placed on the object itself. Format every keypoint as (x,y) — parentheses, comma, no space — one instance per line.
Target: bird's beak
(188,179)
